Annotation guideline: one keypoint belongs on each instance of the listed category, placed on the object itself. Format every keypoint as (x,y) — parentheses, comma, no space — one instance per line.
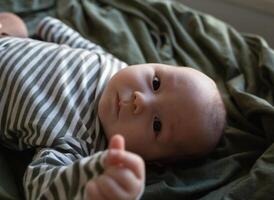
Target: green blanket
(140,31)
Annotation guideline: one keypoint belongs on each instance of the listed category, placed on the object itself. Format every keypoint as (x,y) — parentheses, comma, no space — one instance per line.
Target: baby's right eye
(156,83)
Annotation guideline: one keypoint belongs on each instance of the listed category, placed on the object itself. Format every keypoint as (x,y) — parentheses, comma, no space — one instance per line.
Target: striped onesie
(49,93)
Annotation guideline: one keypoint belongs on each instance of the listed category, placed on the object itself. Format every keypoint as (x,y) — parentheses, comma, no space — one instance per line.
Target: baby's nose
(140,102)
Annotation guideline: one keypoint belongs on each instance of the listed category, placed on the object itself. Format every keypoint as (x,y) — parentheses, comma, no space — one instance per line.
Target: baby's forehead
(181,75)
(186,138)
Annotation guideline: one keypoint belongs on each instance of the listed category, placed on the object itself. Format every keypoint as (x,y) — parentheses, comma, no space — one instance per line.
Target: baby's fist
(124,175)
(117,156)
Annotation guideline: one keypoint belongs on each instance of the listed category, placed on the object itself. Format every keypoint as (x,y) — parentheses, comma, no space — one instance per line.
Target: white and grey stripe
(48,100)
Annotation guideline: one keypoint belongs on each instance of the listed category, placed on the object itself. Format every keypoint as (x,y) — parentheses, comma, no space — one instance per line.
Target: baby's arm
(123,177)
(53,30)
(62,171)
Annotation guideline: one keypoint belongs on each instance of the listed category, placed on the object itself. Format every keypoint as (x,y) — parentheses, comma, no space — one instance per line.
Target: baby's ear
(117,142)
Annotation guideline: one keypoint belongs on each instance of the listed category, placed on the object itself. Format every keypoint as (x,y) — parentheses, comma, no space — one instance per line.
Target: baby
(162,111)
(68,99)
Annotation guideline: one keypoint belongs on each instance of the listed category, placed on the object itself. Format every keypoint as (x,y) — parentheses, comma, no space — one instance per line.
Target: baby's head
(163,111)
(12,25)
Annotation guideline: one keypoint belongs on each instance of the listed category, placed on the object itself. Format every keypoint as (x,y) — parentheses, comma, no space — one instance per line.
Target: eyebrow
(169,125)
(166,127)
(159,73)
(169,130)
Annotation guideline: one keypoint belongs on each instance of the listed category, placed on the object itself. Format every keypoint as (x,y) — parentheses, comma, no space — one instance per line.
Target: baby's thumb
(117,142)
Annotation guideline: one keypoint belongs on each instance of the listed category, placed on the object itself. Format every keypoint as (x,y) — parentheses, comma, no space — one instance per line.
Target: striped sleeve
(53,30)
(48,100)
(58,173)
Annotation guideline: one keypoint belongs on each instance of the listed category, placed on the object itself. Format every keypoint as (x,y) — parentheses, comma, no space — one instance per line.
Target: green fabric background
(8,187)
(140,31)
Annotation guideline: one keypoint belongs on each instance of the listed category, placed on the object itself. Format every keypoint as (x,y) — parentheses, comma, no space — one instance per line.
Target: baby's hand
(123,178)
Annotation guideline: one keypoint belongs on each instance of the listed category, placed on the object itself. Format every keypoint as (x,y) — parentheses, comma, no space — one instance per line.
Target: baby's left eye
(157,125)
(156,83)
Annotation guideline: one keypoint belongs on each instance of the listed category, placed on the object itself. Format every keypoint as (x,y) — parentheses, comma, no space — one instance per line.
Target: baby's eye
(157,125)
(155,83)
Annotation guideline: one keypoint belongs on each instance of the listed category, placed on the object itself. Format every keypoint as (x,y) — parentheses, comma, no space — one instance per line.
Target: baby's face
(157,108)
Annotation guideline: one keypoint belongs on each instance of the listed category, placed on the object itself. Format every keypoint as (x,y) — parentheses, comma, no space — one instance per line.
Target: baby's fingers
(108,189)
(117,142)
(127,180)
(128,160)
(92,191)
